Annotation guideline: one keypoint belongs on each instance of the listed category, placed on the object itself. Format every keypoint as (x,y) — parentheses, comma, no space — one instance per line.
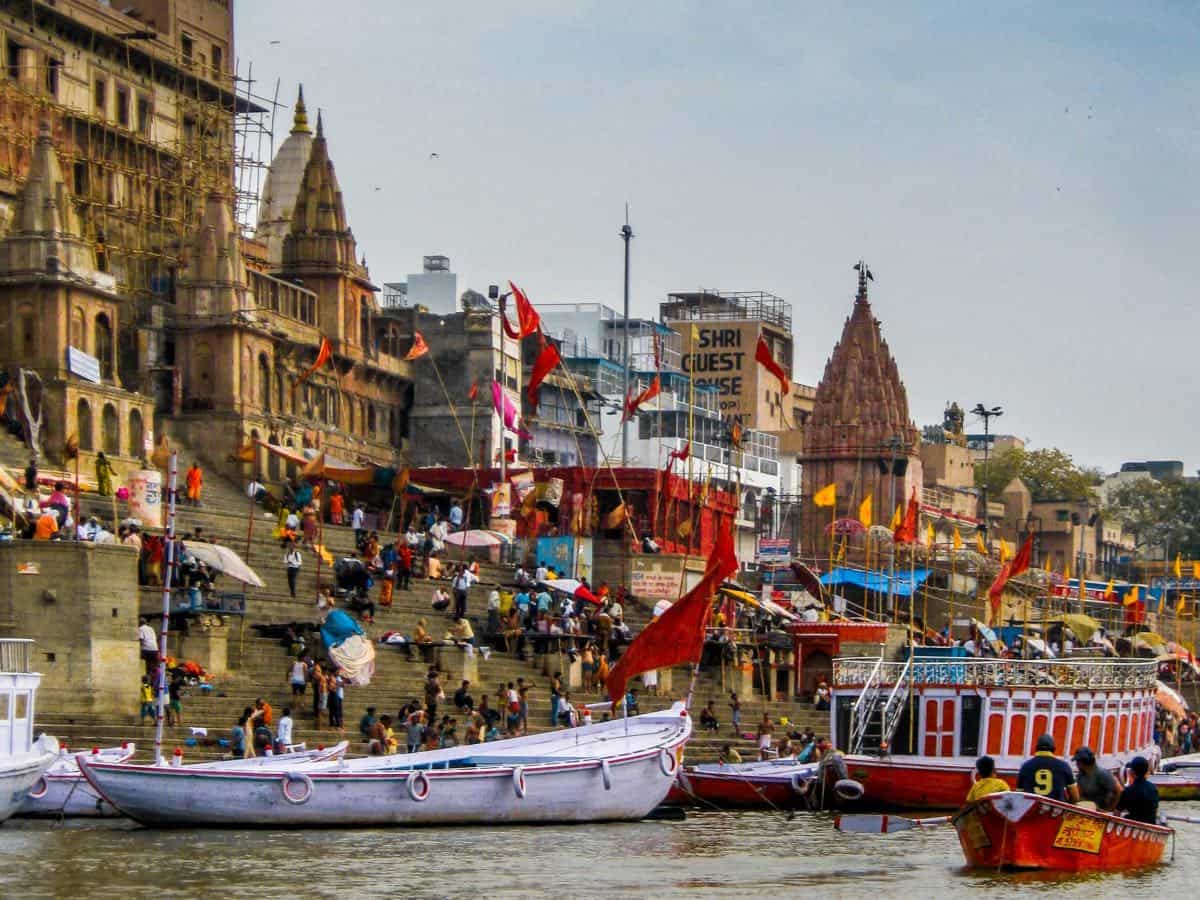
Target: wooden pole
(164,628)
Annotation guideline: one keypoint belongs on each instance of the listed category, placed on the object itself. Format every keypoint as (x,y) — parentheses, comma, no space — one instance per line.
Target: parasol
(845,526)
(1170,700)
(220,558)
(989,635)
(479,537)
(1083,626)
(880,533)
(570,586)
(1149,640)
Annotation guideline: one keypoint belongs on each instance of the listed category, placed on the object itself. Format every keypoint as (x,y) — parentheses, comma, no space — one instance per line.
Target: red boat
(781,783)
(1024,831)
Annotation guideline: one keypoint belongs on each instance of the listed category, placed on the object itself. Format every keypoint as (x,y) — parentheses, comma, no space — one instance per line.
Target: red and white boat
(1023,831)
(912,730)
(781,783)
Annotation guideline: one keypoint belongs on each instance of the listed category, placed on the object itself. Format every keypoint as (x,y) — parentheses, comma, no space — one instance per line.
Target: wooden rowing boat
(775,783)
(1015,830)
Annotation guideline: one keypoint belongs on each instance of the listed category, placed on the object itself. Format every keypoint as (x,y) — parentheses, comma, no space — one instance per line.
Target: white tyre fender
(848,789)
(38,791)
(518,777)
(800,784)
(606,774)
(418,786)
(667,762)
(286,785)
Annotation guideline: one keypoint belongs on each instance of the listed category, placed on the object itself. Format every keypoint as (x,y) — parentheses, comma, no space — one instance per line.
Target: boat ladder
(894,707)
(864,707)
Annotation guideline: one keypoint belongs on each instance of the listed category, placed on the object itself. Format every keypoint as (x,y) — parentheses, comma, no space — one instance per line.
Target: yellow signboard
(1079,833)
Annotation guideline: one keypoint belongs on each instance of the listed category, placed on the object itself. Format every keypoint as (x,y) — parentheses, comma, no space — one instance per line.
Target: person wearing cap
(1095,784)
(1046,775)
(987,782)
(1139,800)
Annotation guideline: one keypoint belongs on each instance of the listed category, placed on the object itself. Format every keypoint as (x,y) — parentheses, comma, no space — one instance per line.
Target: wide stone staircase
(259,666)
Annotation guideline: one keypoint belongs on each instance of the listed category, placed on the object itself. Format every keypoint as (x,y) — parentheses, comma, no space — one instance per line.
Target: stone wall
(80,603)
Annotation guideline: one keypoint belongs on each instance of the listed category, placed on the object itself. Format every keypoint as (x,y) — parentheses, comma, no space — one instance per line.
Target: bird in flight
(434,156)
(273,43)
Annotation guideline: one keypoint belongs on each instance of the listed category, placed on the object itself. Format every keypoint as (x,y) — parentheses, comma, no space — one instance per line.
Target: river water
(709,854)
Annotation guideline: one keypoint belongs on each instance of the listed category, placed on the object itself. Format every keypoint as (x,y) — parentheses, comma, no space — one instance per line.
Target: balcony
(1081,674)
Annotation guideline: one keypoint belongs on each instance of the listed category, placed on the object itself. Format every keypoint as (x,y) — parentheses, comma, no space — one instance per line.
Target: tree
(1160,514)
(1050,474)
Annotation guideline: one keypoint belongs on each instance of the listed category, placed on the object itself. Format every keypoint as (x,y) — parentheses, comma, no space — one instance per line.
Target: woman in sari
(104,475)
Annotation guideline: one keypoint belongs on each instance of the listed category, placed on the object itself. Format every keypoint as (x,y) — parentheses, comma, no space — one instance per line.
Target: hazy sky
(1021,177)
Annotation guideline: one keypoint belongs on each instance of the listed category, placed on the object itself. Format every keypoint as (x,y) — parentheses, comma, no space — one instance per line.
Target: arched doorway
(264,383)
(202,370)
(104,347)
(83,425)
(817,667)
(110,430)
(137,434)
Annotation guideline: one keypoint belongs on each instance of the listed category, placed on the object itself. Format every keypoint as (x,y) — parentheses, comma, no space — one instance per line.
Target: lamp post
(894,443)
(626,236)
(987,414)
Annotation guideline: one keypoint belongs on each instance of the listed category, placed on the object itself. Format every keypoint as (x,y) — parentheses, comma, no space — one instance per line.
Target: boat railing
(864,706)
(16,655)
(870,672)
(894,707)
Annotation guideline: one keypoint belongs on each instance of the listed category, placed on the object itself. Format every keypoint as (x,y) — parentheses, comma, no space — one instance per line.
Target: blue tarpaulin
(906,583)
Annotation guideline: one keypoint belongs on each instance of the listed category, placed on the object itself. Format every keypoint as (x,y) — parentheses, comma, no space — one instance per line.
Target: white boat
(22,759)
(616,770)
(63,791)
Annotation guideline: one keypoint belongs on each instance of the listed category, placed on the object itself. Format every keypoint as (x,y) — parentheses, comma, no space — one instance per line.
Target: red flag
(632,404)
(528,320)
(762,354)
(906,531)
(418,349)
(474,391)
(323,356)
(544,365)
(1011,569)
(681,454)
(677,636)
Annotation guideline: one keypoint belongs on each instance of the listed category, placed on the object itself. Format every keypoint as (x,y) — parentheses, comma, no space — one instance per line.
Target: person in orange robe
(195,483)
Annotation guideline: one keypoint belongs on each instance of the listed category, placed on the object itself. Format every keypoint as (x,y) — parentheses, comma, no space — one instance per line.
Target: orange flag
(542,367)
(324,355)
(762,354)
(1011,569)
(418,349)
(907,532)
(632,404)
(677,636)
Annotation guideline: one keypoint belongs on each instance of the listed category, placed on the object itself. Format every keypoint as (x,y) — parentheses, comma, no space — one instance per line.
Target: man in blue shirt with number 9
(1048,776)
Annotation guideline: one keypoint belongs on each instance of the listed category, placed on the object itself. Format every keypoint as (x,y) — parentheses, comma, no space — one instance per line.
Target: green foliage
(1160,513)
(1049,474)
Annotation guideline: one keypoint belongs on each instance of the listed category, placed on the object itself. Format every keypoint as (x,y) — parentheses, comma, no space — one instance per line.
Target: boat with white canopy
(22,759)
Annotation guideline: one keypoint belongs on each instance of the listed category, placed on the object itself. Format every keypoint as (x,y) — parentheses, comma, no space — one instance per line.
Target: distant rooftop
(756,306)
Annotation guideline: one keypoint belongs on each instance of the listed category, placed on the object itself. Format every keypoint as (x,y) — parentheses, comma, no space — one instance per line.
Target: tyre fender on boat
(518,777)
(848,789)
(800,784)
(667,762)
(285,786)
(606,774)
(38,791)
(418,786)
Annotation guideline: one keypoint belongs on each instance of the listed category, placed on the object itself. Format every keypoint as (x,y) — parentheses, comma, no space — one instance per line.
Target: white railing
(894,706)
(870,672)
(16,655)
(864,706)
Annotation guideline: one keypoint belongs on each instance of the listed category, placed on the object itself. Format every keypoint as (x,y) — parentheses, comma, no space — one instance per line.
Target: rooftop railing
(16,656)
(1080,674)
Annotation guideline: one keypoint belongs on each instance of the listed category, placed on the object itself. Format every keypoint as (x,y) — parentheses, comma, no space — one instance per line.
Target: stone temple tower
(860,436)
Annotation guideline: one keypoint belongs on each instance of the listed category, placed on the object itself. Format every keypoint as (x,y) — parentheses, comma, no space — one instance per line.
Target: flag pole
(169,560)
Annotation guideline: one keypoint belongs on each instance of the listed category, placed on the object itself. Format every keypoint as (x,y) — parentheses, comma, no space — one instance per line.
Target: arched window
(79,329)
(202,368)
(365,327)
(110,430)
(348,405)
(104,346)
(279,393)
(26,343)
(264,382)
(136,434)
(83,425)
(255,437)
(371,419)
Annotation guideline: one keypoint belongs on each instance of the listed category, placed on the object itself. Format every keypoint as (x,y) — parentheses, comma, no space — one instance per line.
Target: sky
(1020,177)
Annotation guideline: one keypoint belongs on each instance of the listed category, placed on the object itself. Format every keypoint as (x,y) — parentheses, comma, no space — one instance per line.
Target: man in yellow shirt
(987,782)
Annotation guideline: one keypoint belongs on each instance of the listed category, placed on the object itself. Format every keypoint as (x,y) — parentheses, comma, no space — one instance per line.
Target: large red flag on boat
(546,361)
(906,532)
(1011,569)
(324,355)
(762,354)
(528,320)
(633,404)
(677,636)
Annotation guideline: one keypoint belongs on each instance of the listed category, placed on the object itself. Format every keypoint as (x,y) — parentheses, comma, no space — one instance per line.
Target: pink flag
(507,411)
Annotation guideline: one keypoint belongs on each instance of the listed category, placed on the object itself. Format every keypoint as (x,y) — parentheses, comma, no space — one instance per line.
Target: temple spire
(864,274)
(300,118)
(320,126)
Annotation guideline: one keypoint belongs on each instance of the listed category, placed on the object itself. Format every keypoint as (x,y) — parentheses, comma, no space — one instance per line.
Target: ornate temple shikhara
(860,436)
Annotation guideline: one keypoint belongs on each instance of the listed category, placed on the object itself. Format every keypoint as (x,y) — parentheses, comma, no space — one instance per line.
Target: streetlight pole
(987,414)
(893,443)
(626,236)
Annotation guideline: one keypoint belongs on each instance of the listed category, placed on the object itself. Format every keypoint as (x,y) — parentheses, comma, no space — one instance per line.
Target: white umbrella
(479,537)
(572,587)
(220,558)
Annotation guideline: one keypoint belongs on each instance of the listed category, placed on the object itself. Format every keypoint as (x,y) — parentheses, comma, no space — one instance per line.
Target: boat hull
(505,787)
(19,773)
(1015,830)
(1181,785)
(748,786)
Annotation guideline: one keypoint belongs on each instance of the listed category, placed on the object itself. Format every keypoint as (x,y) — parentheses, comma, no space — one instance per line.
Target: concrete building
(435,287)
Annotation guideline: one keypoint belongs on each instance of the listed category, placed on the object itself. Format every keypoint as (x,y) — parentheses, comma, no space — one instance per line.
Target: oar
(1191,820)
(872,824)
